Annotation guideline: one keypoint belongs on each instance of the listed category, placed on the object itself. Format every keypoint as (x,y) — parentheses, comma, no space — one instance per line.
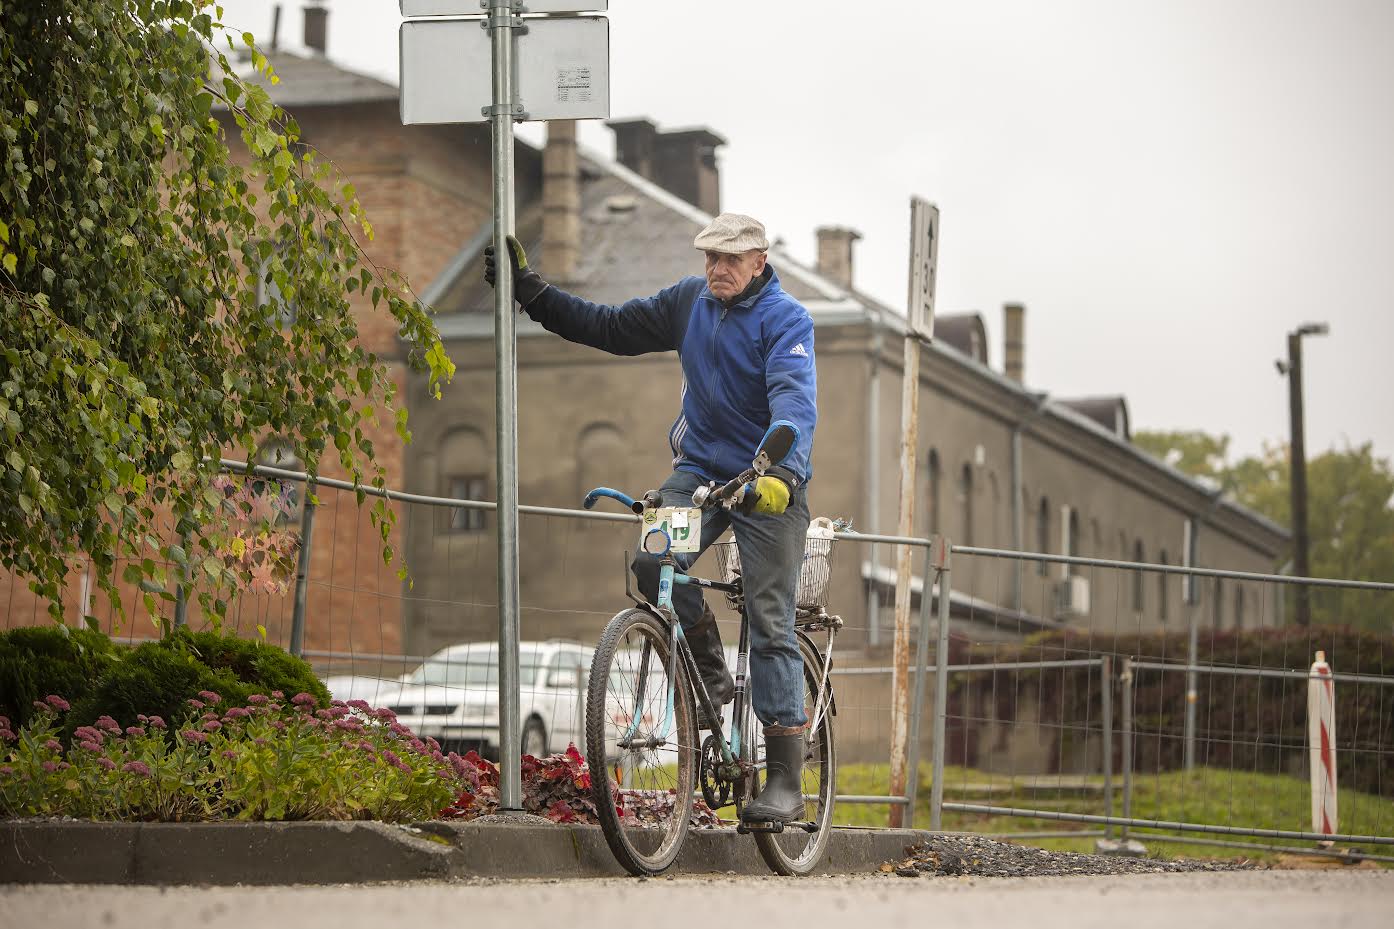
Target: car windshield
(471,671)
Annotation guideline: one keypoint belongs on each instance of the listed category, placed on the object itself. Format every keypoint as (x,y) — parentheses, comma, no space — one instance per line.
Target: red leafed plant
(557,787)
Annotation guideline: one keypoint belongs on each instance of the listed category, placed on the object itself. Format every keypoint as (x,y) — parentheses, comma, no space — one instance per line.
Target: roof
(964,332)
(316,81)
(1109,412)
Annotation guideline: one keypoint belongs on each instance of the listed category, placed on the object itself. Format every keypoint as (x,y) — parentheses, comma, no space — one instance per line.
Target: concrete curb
(46,852)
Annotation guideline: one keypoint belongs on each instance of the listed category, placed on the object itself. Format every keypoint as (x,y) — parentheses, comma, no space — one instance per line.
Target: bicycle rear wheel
(797,851)
(642,749)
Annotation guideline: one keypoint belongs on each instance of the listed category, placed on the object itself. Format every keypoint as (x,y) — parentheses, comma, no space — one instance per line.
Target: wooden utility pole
(924,255)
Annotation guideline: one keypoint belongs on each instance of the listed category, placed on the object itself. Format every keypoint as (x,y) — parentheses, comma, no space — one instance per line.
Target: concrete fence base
(49,852)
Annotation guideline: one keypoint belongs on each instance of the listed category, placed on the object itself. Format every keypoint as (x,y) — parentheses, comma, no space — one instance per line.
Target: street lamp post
(1298,478)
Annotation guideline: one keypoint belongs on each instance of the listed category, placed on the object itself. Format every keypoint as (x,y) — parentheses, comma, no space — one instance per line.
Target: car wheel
(535,738)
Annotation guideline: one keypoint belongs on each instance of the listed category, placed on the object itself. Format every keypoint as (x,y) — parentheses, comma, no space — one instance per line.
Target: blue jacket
(742,368)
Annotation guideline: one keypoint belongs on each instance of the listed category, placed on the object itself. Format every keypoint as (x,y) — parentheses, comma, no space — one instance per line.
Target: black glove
(527,283)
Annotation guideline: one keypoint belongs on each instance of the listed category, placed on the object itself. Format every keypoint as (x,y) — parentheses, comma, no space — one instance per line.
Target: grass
(1212,796)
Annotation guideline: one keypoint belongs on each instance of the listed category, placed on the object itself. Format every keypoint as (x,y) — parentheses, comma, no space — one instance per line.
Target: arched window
(1219,618)
(1238,606)
(464,475)
(1072,541)
(1043,535)
(934,514)
(1137,578)
(1163,578)
(965,492)
(994,514)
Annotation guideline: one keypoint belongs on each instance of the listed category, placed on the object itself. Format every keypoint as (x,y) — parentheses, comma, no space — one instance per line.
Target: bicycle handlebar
(628,501)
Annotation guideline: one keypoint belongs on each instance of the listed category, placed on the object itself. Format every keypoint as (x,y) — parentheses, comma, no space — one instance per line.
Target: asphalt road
(1267,899)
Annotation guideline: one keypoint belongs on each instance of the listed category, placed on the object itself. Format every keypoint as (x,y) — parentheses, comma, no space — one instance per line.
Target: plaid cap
(732,233)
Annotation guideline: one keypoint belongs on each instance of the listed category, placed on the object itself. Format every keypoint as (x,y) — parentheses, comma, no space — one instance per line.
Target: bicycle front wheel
(641,742)
(799,848)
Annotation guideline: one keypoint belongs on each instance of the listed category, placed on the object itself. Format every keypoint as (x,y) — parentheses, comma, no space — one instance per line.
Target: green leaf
(31,107)
(9,261)
(182,461)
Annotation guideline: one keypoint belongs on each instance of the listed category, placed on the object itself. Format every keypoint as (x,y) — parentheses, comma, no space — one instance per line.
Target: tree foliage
(1350,511)
(134,347)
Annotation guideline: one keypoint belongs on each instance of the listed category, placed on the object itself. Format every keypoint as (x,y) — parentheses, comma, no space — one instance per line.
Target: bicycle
(646,765)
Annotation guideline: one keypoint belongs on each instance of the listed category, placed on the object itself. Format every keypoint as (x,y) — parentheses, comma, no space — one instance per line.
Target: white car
(453,697)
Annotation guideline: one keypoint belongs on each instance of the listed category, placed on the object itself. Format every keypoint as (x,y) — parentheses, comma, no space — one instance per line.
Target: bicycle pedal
(745,828)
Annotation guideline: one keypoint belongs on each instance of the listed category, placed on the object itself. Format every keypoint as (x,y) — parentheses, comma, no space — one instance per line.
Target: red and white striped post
(1321,745)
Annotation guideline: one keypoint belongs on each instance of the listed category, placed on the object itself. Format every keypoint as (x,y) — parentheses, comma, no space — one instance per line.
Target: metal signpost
(924,257)
(502,67)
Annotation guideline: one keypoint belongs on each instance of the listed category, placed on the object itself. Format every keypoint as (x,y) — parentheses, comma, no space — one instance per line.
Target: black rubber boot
(705,641)
(781,800)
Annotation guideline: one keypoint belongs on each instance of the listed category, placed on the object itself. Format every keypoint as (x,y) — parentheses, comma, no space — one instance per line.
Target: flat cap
(732,233)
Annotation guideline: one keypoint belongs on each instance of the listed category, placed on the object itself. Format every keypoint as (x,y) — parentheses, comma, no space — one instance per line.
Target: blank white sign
(473,8)
(563,70)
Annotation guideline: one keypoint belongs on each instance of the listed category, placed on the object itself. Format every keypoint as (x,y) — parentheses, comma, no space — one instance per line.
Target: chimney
(1014,355)
(835,254)
(682,162)
(316,28)
(561,201)
(634,145)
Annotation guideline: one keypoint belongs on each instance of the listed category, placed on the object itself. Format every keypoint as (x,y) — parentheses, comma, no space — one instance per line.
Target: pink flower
(337,703)
(301,699)
(237,712)
(196,704)
(385,714)
(53,745)
(338,711)
(212,725)
(278,725)
(435,746)
(157,723)
(349,725)
(259,742)
(256,699)
(107,724)
(193,736)
(209,715)
(4,722)
(278,695)
(49,766)
(390,757)
(7,736)
(210,696)
(107,763)
(57,702)
(88,734)
(323,714)
(135,730)
(90,747)
(6,770)
(229,753)
(359,705)
(136,767)
(141,717)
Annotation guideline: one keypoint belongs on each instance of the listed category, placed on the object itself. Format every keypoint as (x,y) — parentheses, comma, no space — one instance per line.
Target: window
(965,490)
(1219,618)
(1137,578)
(1043,535)
(1239,606)
(1072,540)
(269,292)
(933,497)
(467,487)
(1163,579)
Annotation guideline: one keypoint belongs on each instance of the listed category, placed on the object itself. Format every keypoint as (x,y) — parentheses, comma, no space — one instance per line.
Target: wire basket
(813,573)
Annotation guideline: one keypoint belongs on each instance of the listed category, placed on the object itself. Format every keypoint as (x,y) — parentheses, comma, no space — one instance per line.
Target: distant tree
(136,338)
(1350,512)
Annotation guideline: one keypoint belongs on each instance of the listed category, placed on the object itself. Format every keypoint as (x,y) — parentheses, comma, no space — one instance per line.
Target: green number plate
(683,525)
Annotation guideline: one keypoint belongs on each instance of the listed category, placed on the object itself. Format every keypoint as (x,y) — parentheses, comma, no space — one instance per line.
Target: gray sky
(1169,186)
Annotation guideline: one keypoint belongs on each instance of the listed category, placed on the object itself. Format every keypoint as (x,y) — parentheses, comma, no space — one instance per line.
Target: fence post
(912,782)
(302,571)
(1192,694)
(1125,680)
(1106,672)
(941,685)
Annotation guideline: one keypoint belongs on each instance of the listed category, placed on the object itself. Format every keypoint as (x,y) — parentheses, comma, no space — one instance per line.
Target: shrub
(51,659)
(265,760)
(154,680)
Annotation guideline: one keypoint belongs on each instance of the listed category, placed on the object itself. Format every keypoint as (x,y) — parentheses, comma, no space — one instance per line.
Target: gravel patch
(978,856)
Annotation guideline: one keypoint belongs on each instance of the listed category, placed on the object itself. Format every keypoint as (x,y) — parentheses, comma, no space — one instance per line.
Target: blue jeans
(771,549)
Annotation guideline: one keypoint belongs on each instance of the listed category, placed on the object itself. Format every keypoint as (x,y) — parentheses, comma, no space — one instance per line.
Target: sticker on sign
(474,7)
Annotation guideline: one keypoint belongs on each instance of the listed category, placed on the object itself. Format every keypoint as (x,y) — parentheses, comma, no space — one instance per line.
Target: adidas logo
(798,350)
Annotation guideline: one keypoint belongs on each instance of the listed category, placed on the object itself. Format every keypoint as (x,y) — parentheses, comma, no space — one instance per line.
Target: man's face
(728,275)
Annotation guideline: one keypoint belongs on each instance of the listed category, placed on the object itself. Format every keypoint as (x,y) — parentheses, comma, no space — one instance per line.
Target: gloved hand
(527,283)
(768,494)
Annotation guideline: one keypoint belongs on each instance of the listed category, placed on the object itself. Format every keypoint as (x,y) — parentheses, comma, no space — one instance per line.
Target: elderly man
(746,348)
